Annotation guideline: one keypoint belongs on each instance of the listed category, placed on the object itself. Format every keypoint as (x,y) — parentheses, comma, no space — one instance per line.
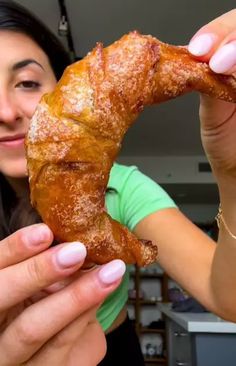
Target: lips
(12,140)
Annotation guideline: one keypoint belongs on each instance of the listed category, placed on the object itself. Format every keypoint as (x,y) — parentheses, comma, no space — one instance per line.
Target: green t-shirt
(131,198)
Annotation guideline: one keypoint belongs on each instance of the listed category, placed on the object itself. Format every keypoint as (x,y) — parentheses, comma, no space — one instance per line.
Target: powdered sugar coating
(76,133)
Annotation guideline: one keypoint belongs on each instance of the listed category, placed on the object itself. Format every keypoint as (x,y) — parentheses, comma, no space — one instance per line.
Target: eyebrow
(24,63)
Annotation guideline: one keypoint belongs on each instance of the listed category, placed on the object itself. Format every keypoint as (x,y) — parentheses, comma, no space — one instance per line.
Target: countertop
(198,322)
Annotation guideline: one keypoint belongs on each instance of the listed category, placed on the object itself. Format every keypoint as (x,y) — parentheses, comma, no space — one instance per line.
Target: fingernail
(202,44)
(38,235)
(71,254)
(111,272)
(224,59)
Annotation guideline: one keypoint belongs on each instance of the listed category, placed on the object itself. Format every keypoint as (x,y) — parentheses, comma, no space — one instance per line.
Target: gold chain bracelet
(220,218)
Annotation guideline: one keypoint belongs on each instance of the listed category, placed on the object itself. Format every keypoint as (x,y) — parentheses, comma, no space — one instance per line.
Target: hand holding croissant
(77,130)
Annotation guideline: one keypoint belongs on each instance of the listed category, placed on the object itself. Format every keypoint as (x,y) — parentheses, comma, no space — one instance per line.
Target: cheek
(31,101)
(30,105)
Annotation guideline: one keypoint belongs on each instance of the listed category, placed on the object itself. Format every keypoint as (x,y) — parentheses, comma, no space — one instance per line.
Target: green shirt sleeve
(131,197)
(139,197)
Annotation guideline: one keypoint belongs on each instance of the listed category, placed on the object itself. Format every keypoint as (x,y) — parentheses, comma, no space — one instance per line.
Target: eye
(28,84)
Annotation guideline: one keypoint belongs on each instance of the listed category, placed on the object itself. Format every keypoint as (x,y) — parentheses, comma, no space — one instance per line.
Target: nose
(9,111)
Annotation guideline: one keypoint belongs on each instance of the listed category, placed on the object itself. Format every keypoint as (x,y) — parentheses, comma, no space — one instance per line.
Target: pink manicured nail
(71,254)
(224,59)
(202,44)
(112,272)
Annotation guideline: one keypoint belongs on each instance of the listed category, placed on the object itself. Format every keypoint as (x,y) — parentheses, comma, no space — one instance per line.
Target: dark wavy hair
(15,17)
(16,213)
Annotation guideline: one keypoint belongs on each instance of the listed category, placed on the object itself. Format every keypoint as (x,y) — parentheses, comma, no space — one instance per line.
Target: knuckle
(7,252)
(10,243)
(34,271)
(27,335)
(16,243)
(85,293)
(78,296)
(60,341)
(20,236)
(11,248)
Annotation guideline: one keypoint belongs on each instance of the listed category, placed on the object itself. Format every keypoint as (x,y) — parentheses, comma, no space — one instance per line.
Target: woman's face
(25,75)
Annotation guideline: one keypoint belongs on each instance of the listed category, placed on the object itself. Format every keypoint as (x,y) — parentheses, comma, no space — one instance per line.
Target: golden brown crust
(76,133)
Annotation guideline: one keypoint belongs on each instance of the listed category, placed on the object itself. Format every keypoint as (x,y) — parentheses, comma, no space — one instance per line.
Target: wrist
(227,199)
(222,223)
(226,218)
(227,192)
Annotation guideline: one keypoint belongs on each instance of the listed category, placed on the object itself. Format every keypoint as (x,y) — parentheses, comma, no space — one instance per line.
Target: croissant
(76,133)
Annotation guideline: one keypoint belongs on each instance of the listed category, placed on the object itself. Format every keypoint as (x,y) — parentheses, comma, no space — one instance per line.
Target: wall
(170,169)
(195,193)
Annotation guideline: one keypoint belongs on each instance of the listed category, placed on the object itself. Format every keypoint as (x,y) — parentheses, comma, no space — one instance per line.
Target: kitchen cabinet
(199,339)
(142,277)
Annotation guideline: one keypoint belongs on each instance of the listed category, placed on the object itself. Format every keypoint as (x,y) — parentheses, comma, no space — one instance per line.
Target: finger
(224,59)
(69,335)
(24,279)
(211,36)
(73,343)
(57,311)
(24,243)
(65,282)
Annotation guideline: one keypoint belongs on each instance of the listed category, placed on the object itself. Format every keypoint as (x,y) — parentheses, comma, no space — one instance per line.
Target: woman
(42,320)
(189,256)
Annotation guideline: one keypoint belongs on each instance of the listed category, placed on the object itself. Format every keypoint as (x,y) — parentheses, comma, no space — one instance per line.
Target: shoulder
(125,178)
(137,195)
(119,175)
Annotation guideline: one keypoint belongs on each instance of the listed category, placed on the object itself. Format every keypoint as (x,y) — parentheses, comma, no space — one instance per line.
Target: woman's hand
(216,44)
(47,311)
